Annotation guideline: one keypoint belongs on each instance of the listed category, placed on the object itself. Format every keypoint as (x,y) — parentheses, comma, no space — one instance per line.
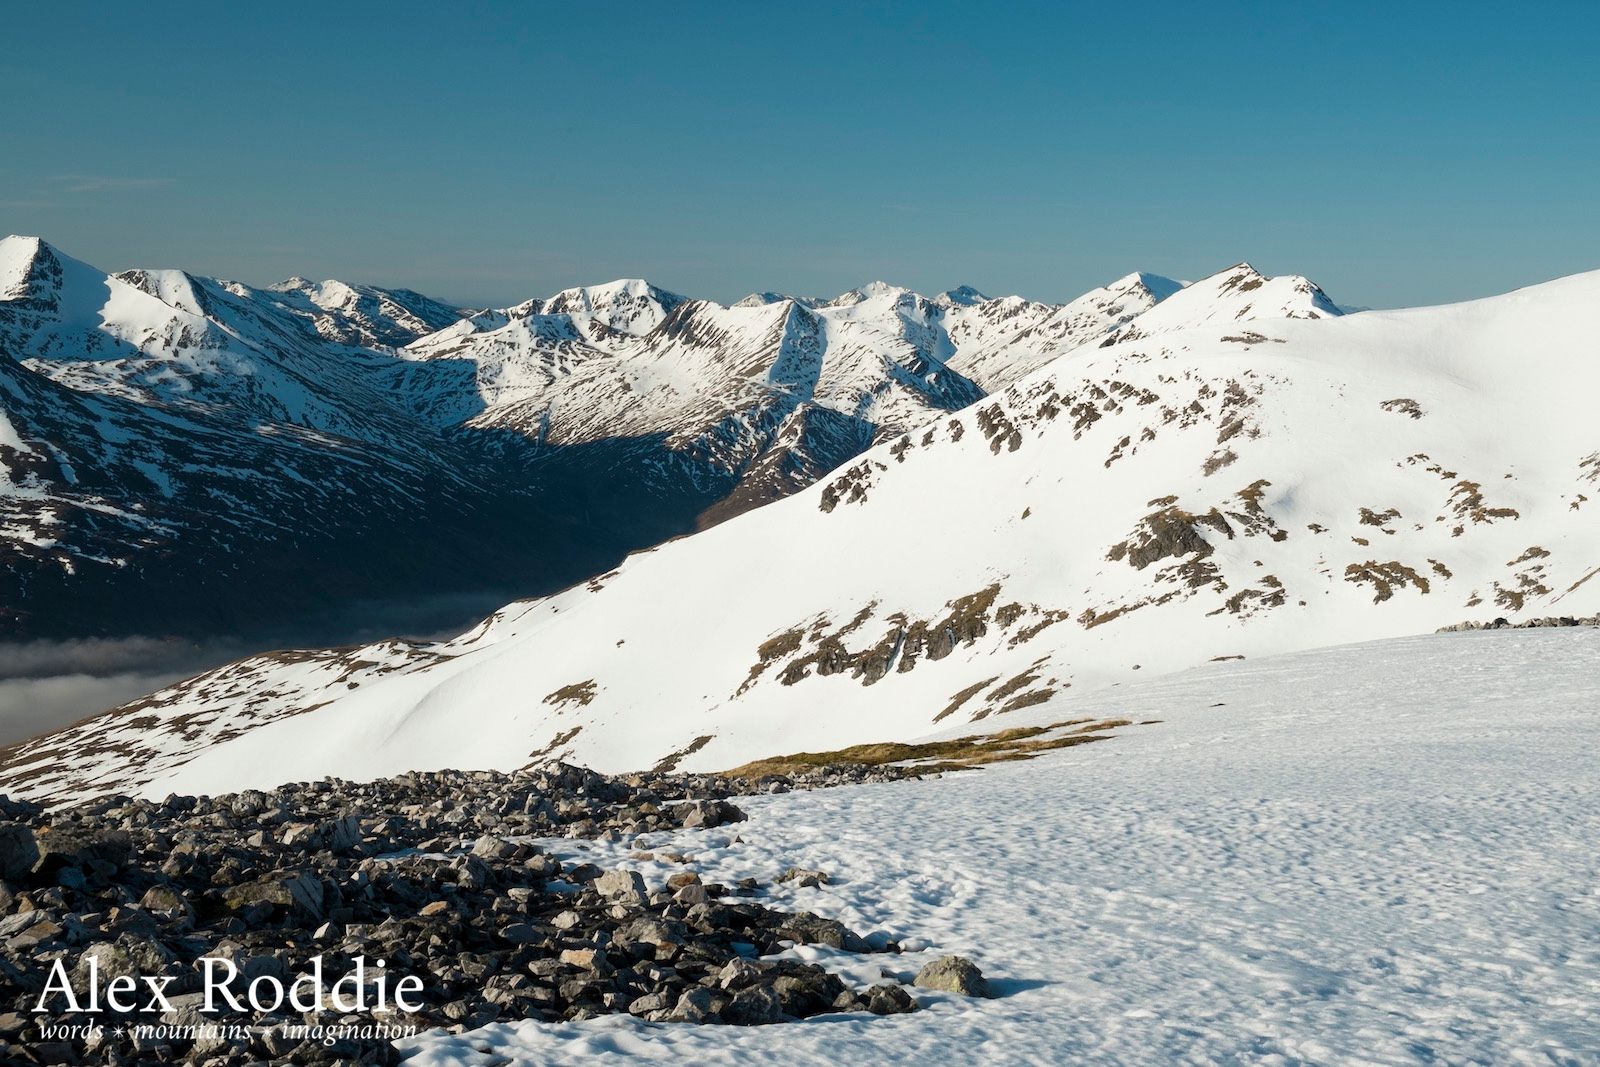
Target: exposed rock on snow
(953,974)
(1505,624)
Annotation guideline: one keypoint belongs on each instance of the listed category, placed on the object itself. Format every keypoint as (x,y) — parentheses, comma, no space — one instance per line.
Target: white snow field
(1373,854)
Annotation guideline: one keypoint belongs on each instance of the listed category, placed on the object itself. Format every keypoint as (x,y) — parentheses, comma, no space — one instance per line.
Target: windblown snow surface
(1377,854)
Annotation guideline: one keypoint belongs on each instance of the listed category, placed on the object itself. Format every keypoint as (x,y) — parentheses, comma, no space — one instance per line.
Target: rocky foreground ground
(432,874)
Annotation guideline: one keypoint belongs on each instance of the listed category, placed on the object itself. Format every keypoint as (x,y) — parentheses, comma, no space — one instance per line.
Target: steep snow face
(16,264)
(1327,857)
(1200,494)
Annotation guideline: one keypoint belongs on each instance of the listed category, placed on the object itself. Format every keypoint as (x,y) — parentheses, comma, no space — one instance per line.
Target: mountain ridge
(1165,500)
(245,443)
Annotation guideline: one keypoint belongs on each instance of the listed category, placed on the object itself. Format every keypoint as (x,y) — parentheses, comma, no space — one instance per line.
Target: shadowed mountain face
(319,463)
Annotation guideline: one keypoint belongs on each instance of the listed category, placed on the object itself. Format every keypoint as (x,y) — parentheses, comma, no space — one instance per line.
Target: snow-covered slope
(1205,493)
(184,455)
(1377,854)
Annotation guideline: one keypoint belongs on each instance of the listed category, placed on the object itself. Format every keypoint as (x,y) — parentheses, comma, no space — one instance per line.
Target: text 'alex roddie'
(365,989)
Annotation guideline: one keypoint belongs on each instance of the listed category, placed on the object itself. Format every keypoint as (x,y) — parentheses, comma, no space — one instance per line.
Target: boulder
(888,998)
(19,851)
(699,1005)
(808,929)
(75,845)
(705,814)
(165,902)
(299,892)
(953,974)
(756,1006)
(625,886)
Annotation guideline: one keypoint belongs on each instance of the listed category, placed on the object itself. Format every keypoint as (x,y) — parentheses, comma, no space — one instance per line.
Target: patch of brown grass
(960,753)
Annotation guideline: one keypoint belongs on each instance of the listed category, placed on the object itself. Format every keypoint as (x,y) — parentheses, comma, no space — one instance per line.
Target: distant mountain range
(1159,476)
(191,457)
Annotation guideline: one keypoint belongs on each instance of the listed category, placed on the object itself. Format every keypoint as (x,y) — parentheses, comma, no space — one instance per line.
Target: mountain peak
(872,289)
(628,305)
(33,271)
(619,288)
(1159,286)
(1241,277)
(21,259)
(755,300)
(19,245)
(960,296)
(1237,293)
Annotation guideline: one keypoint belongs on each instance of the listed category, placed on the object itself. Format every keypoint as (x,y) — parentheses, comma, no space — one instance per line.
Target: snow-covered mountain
(189,456)
(363,314)
(751,401)
(1224,487)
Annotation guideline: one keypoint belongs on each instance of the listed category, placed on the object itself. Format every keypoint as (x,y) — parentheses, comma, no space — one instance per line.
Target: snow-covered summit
(628,305)
(1236,294)
(755,300)
(960,296)
(18,255)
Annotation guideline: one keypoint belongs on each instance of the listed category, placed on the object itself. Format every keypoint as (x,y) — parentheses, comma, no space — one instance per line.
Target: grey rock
(807,929)
(167,902)
(19,851)
(887,998)
(803,877)
(756,1006)
(698,1005)
(705,814)
(953,974)
(625,886)
(649,1004)
(739,974)
(493,848)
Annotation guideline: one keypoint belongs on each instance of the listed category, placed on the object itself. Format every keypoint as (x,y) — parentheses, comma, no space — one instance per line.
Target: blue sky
(1398,154)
